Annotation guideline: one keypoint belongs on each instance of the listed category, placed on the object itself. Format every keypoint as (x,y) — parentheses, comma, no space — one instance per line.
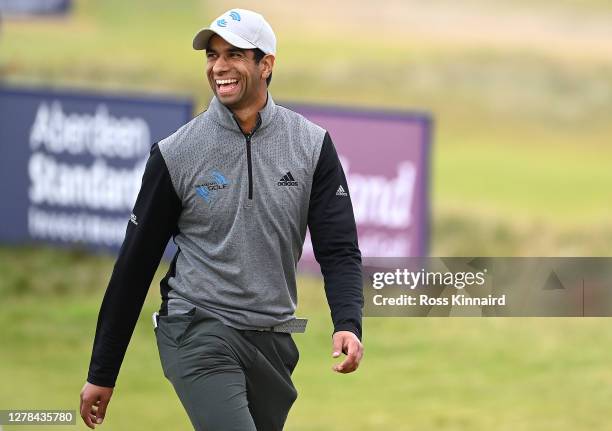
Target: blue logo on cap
(222,23)
(235,15)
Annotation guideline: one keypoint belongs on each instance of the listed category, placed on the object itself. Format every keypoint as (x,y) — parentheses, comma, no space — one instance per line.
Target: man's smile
(226,87)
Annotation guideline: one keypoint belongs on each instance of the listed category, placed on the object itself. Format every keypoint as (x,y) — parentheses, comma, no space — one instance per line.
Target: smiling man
(236,188)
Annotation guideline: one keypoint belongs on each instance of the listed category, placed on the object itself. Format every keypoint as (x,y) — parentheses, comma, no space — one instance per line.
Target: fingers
(86,408)
(349,363)
(354,355)
(102,408)
(94,402)
(93,412)
(337,347)
(94,415)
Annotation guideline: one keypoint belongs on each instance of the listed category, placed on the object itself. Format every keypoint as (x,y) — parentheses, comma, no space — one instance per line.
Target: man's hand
(346,342)
(94,400)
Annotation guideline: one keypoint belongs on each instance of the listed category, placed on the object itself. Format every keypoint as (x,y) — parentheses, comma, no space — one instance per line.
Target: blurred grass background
(452,374)
(521,94)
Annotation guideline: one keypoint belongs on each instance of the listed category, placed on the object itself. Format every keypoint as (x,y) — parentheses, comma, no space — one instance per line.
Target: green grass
(429,373)
(513,179)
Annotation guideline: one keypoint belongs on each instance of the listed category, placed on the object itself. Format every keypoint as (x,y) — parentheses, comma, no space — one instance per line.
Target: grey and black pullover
(237,206)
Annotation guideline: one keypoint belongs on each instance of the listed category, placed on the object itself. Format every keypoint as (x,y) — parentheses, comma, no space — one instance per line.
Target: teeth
(225,81)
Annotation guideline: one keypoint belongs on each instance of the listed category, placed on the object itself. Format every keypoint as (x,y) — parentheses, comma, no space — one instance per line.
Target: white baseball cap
(242,28)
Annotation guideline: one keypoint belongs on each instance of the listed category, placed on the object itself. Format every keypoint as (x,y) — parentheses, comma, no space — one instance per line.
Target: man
(236,188)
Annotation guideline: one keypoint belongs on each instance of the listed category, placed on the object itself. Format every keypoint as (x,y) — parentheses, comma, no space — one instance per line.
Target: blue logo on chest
(209,190)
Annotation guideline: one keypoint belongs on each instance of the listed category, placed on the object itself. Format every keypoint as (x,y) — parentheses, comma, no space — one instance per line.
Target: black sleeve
(334,239)
(151,225)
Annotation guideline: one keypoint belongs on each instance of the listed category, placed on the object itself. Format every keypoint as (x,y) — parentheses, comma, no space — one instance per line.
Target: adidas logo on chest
(288,181)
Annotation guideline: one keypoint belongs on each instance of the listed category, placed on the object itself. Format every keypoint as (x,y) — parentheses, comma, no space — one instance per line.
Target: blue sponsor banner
(24,8)
(72,163)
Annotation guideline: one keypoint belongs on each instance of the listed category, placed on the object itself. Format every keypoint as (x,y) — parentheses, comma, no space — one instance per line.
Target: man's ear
(267,64)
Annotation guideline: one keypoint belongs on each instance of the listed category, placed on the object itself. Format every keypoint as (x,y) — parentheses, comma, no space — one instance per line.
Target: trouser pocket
(169,334)
(271,392)
(208,378)
(174,327)
(288,351)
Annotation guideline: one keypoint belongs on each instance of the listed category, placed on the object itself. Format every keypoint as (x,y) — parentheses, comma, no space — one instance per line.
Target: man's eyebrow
(233,49)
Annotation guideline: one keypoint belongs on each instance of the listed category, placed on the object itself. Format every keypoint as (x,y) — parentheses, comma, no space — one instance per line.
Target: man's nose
(220,65)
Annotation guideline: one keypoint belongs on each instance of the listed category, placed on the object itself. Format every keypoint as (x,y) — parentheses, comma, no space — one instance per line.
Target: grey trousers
(227,379)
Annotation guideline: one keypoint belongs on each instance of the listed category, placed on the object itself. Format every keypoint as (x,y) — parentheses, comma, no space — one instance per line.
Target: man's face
(234,76)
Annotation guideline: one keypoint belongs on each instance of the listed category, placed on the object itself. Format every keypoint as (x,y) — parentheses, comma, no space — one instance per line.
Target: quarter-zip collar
(225,117)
